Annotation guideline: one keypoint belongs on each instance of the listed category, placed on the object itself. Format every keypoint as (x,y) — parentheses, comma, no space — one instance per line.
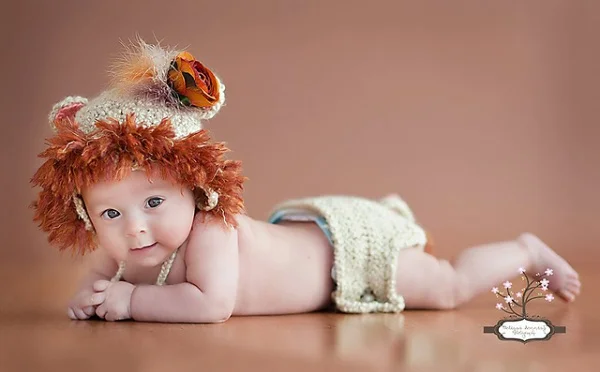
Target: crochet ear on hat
(66,109)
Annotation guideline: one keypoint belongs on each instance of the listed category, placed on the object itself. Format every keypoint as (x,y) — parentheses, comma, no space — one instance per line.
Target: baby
(132,177)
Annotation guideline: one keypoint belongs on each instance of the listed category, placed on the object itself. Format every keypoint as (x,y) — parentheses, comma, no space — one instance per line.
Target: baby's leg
(428,283)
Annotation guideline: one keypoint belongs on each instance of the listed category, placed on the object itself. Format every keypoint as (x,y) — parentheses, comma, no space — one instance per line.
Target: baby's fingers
(97,298)
(77,313)
(101,285)
(71,314)
(93,300)
(101,311)
(89,311)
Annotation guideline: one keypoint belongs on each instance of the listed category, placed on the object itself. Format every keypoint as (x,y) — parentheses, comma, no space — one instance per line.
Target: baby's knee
(426,282)
(452,289)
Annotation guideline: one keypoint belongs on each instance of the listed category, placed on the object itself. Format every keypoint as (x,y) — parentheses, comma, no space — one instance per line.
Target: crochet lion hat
(150,118)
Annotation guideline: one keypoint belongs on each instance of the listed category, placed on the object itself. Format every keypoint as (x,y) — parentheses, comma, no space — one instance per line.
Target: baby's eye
(110,214)
(154,202)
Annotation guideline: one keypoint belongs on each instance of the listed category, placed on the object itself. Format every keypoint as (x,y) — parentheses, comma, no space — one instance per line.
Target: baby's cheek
(176,230)
(111,242)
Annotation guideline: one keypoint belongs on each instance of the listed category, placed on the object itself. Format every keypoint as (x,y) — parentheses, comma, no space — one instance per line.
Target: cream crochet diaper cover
(366,236)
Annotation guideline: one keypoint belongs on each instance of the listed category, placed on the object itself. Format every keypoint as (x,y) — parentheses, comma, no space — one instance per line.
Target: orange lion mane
(75,160)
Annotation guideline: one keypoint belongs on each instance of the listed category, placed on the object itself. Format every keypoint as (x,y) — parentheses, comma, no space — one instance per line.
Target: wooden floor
(36,335)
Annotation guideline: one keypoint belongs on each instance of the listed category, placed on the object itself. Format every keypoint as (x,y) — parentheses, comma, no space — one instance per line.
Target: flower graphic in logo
(519,326)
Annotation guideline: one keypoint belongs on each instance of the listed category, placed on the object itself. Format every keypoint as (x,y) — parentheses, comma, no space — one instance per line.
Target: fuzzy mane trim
(75,160)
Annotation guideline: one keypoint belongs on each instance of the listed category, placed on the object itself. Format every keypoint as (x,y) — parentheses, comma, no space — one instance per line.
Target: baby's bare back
(284,268)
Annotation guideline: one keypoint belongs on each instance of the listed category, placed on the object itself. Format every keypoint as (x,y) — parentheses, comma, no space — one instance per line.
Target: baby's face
(140,221)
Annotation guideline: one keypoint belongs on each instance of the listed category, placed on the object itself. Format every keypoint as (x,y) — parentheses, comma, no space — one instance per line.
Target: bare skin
(260,268)
(286,269)
(429,283)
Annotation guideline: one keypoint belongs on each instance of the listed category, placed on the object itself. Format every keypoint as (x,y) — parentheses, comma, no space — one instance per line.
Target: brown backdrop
(483,116)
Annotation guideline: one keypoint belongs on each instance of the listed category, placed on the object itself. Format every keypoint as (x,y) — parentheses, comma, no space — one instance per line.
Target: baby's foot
(564,281)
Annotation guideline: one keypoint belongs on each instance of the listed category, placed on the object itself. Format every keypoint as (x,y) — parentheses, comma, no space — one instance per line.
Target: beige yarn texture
(367,236)
(165,269)
(148,111)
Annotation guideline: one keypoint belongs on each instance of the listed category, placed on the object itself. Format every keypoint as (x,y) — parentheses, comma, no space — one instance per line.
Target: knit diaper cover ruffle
(366,236)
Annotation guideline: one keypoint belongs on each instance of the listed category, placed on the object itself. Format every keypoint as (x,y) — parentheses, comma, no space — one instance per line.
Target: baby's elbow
(225,311)
(221,309)
(221,318)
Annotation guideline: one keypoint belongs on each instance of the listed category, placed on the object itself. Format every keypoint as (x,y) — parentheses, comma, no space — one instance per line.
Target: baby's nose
(136,226)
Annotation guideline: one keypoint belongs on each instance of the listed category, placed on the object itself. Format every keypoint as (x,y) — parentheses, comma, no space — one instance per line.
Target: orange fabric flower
(194,84)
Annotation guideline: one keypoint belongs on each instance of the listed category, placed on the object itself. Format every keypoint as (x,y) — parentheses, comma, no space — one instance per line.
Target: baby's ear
(66,109)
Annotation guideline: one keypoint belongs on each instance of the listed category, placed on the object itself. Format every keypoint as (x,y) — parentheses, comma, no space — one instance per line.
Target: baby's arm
(82,305)
(209,293)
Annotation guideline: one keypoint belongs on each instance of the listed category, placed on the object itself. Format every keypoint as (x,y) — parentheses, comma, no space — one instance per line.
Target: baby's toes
(570,273)
(572,281)
(566,295)
(574,287)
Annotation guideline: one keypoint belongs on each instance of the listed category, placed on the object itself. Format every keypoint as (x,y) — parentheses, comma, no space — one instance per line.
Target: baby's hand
(82,306)
(113,299)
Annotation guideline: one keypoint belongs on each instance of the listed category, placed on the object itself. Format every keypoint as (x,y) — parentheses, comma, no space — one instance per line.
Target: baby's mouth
(144,248)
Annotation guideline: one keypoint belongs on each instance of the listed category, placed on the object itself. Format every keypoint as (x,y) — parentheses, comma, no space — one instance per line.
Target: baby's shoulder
(208,228)
(209,240)
(204,221)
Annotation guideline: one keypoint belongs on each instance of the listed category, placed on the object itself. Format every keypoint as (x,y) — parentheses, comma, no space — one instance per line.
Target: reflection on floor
(35,334)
